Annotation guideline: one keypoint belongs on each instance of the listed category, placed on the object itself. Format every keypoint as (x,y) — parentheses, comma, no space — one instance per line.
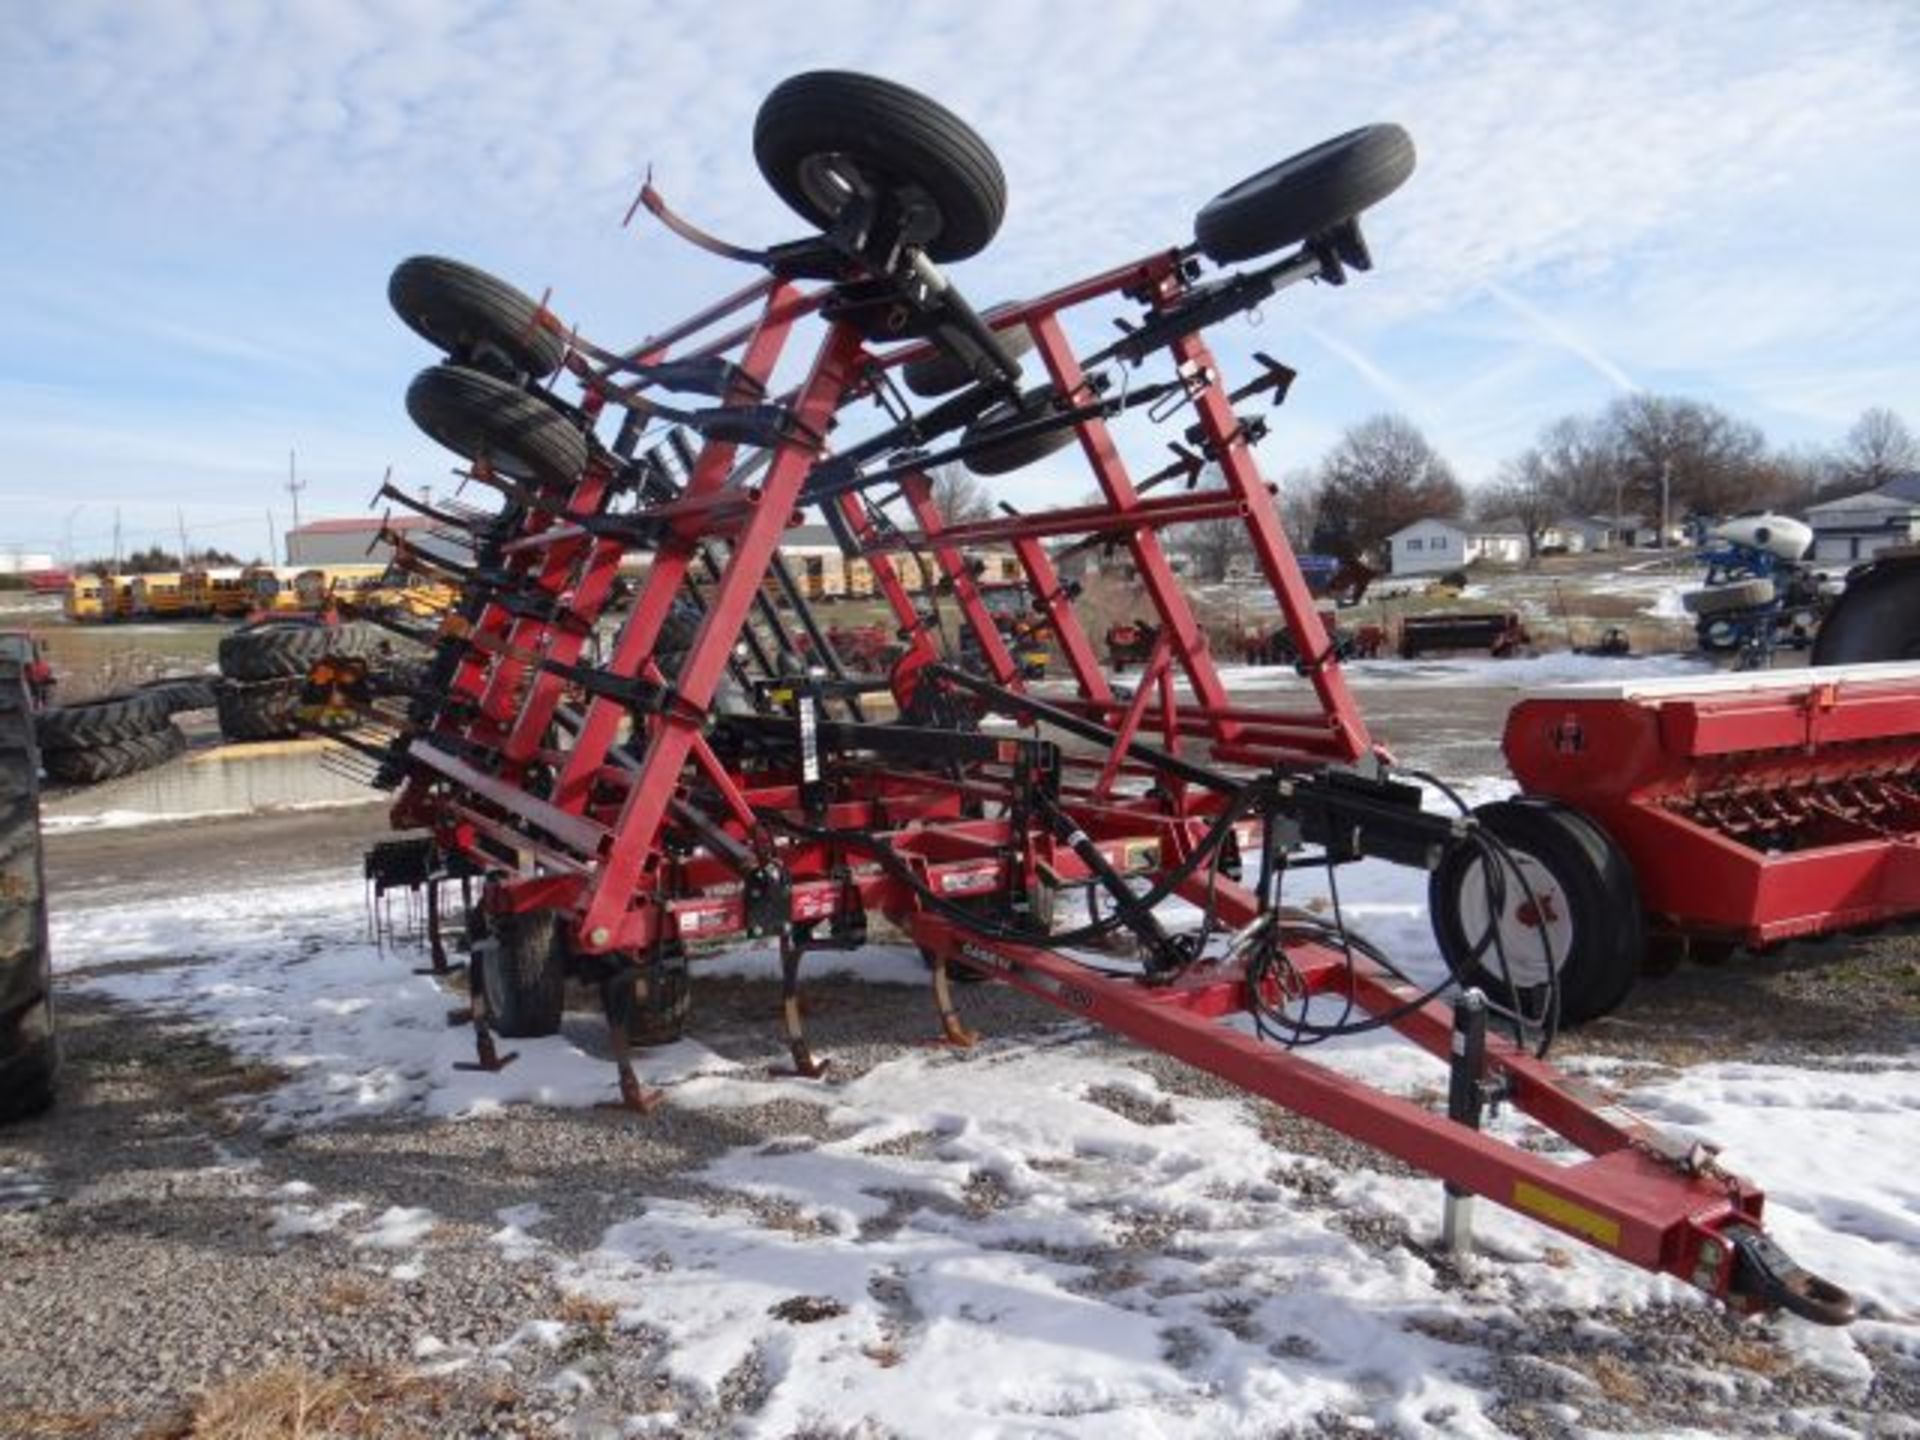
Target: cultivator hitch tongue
(647,754)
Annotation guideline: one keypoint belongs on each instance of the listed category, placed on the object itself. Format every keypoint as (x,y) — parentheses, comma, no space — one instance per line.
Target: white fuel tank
(1783,535)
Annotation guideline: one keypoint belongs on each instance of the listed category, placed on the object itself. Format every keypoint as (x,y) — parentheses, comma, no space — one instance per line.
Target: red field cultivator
(634,771)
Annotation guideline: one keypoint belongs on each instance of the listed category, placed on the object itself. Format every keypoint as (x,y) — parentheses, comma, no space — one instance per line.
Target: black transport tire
(1305,195)
(942,374)
(1020,450)
(522,968)
(1724,599)
(1877,618)
(478,320)
(662,1004)
(288,649)
(815,128)
(260,709)
(1579,878)
(1718,634)
(109,762)
(183,695)
(480,417)
(109,721)
(29,1048)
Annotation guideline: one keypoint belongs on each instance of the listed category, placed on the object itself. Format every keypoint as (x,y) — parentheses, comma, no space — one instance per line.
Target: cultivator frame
(697,781)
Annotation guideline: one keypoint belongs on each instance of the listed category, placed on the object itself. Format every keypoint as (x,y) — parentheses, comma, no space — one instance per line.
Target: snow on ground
(1036,1237)
(1479,671)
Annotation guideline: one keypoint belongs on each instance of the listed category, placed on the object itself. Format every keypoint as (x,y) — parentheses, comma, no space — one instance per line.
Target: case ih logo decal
(1567,737)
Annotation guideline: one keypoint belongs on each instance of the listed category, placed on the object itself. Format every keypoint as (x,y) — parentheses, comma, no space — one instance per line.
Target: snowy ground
(1045,1236)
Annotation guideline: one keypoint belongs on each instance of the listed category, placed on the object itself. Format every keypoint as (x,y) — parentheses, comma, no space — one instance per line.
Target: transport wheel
(288,649)
(942,374)
(478,416)
(1720,599)
(108,721)
(1305,195)
(1020,450)
(662,1003)
(29,1049)
(479,321)
(1583,902)
(1877,618)
(826,136)
(97,763)
(522,967)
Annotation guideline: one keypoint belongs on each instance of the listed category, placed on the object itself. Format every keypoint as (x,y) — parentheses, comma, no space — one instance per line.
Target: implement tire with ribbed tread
(29,1048)
(521,964)
(1305,194)
(815,128)
(110,720)
(479,321)
(481,417)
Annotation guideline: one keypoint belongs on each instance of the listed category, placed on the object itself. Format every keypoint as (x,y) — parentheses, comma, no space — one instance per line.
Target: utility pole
(116,539)
(180,521)
(273,541)
(1666,500)
(69,528)
(294,486)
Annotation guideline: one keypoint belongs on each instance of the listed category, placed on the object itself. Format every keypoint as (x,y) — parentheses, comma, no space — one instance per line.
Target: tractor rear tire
(29,1048)
(479,321)
(99,763)
(288,649)
(261,709)
(1582,881)
(480,417)
(820,134)
(1305,195)
(1877,618)
(522,967)
(1720,599)
(183,695)
(109,721)
(942,374)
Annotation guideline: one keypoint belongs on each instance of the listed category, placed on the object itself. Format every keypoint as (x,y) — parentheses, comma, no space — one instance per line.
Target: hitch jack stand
(1468,1096)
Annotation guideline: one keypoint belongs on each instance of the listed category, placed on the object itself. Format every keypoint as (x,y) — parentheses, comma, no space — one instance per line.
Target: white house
(1432,547)
(1853,528)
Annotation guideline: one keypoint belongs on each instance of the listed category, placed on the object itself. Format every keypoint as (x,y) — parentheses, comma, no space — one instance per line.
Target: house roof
(1504,525)
(1453,525)
(1903,487)
(1863,500)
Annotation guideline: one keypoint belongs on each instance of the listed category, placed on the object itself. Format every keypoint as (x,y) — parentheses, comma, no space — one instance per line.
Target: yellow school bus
(229,593)
(168,596)
(87,599)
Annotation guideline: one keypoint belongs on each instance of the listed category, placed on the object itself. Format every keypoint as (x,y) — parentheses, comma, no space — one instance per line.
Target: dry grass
(291,1402)
(585,1310)
(344,1294)
(52,1424)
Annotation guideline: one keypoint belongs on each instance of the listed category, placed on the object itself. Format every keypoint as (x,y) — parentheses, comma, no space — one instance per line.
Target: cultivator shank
(634,724)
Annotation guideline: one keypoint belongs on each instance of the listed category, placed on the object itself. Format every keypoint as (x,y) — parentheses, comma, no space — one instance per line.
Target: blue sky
(200,203)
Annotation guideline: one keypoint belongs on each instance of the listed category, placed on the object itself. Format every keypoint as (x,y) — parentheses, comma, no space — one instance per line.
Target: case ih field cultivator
(619,773)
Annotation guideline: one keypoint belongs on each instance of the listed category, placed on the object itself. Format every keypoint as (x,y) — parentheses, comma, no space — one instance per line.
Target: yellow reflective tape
(1566,1214)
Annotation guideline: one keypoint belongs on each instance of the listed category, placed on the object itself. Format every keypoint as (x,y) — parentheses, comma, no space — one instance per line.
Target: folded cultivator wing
(635,737)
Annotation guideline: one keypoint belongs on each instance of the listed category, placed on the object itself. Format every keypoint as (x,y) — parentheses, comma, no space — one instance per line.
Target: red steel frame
(592,845)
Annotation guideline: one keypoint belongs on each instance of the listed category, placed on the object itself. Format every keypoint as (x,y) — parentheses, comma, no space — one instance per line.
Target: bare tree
(1524,493)
(1877,448)
(1575,460)
(1300,507)
(959,498)
(1702,459)
(1213,545)
(1381,476)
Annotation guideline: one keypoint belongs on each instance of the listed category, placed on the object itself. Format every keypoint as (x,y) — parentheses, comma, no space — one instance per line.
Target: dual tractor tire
(1876,618)
(29,1048)
(97,740)
(1551,901)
